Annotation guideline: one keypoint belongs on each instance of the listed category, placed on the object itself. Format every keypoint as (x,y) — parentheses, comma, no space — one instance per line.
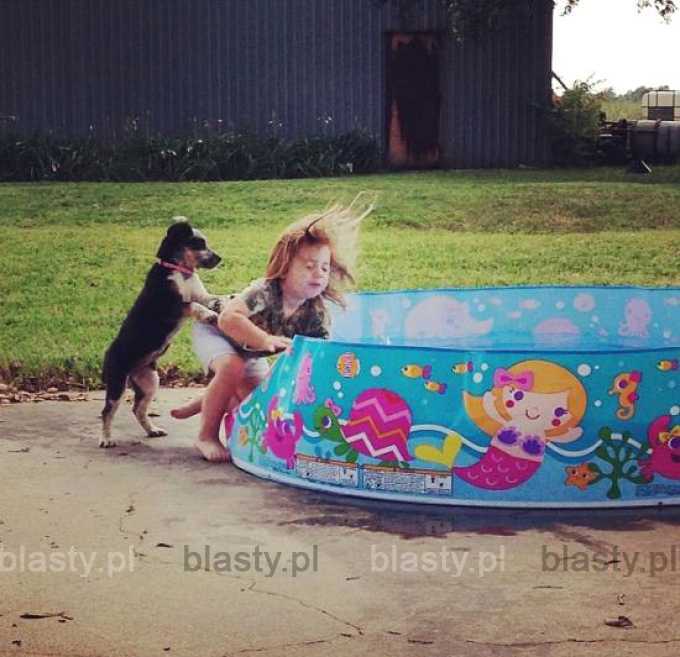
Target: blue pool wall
(464,340)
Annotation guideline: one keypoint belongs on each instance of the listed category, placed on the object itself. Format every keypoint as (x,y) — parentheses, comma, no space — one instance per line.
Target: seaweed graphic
(622,457)
(253,431)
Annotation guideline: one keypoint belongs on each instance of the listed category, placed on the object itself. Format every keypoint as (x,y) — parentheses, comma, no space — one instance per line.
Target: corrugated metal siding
(492,90)
(282,66)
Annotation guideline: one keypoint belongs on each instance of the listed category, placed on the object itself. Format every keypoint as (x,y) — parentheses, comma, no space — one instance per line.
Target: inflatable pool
(515,397)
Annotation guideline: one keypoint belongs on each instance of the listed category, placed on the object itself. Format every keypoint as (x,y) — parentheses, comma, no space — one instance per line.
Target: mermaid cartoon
(530,404)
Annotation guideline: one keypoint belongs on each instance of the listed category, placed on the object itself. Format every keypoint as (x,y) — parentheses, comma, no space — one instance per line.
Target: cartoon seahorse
(625,385)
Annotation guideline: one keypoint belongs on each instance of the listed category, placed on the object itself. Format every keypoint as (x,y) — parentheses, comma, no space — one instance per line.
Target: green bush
(574,126)
(223,156)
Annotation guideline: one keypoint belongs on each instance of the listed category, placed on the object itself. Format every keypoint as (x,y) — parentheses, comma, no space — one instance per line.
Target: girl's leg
(256,372)
(229,371)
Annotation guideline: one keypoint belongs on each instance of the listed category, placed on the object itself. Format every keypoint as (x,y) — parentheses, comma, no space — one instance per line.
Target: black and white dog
(172,292)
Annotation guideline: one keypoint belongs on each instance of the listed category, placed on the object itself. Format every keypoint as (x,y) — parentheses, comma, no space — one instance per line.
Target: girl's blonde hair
(548,378)
(337,227)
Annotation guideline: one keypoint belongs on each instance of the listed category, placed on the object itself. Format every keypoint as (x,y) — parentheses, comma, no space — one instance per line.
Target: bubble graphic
(376,370)
(477,377)
(584,369)
(584,302)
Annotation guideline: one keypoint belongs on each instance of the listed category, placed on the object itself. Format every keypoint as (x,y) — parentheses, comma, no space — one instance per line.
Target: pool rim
(545,349)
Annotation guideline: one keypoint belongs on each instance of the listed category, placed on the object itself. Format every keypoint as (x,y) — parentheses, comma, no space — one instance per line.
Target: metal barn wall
(294,67)
(496,93)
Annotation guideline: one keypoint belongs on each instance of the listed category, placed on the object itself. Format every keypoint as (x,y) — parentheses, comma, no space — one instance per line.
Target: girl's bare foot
(192,408)
(213,451)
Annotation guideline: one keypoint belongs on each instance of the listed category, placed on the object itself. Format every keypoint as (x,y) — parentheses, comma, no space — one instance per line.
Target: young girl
(311,263)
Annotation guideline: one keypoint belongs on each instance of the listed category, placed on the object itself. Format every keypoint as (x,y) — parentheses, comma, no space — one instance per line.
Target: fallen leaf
(33,616)
(621,621)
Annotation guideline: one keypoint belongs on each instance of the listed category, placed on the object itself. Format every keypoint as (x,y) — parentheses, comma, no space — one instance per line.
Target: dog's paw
(156,432)
(107,442)
(216,305)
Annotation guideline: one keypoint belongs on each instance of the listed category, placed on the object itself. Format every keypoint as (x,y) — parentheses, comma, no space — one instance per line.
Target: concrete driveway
(145,549)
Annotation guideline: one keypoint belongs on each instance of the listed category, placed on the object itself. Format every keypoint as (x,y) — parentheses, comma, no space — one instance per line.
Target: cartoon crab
(664,443)
(281,434)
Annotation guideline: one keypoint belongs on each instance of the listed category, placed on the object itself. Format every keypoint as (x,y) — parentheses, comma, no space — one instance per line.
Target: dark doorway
(413,100)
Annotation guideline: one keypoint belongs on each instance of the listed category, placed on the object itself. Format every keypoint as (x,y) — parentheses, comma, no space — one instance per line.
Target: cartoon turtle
(378,426)
(664,444)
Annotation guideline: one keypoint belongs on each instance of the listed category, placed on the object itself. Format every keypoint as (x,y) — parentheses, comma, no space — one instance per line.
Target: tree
(665,8)
(476,17)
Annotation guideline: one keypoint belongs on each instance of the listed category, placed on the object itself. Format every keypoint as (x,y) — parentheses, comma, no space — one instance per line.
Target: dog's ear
(177,234)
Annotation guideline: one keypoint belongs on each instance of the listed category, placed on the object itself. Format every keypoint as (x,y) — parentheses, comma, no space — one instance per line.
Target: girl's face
(536,412)
(309,271)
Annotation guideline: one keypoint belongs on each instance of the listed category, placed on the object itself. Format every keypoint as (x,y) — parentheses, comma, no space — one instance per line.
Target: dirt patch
(17,390)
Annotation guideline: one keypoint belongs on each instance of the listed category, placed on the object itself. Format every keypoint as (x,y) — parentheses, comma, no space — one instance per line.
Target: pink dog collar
(171,265)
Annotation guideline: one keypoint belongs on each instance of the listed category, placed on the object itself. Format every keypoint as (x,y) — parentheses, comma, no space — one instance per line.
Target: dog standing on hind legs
(172,292)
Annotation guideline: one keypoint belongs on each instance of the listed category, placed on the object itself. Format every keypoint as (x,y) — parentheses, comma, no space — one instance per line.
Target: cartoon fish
(579,475)
(435,386)
(667,365)
(625,385)
(462,368)
(417,371)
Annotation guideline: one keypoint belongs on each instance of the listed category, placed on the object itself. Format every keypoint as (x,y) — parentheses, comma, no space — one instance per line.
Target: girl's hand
(276,343)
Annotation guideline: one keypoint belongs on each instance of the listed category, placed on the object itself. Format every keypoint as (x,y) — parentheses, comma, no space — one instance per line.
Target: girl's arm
(233,321)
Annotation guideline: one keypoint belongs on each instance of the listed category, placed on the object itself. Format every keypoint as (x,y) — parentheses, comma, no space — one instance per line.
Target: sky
(609,41)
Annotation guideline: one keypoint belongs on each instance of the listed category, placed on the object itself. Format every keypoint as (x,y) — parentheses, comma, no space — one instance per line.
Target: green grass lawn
(75,255)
